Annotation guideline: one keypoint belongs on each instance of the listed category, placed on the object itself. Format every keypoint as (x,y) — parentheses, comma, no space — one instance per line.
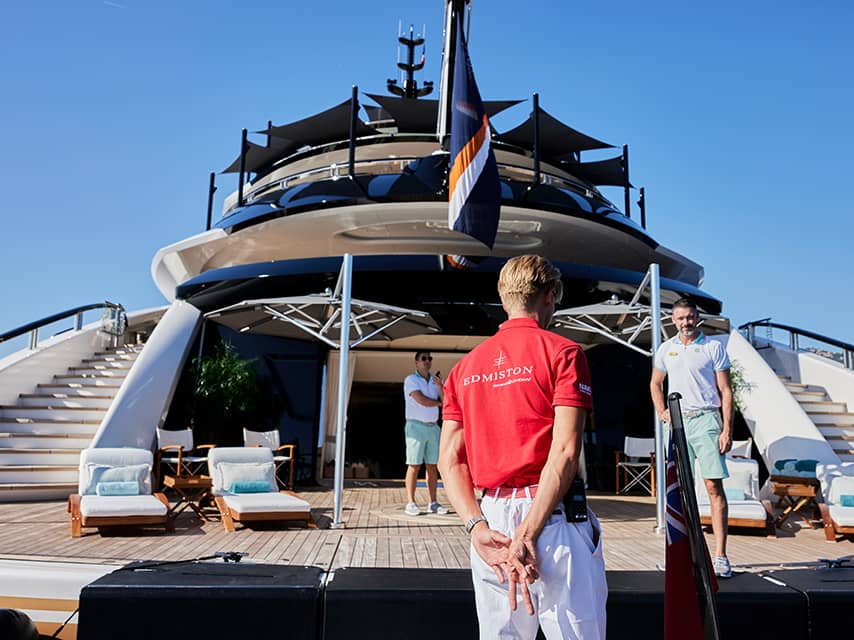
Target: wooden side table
(192,492)
(797,496)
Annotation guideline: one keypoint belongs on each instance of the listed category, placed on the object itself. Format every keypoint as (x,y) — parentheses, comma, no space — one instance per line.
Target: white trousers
(569,596)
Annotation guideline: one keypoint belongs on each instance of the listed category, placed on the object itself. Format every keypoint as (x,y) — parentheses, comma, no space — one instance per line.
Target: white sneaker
(722,567)
(412,509)
(435,507)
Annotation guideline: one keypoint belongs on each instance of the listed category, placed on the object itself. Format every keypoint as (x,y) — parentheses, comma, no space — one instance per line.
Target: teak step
(49,411)
(64,400)
(826,418)
(78,389)
(88,381)
(38,473)
(823,406)
(42,441)
(46,457)
(51,421)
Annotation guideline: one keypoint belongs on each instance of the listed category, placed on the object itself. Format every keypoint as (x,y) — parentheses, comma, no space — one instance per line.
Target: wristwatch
(471,523)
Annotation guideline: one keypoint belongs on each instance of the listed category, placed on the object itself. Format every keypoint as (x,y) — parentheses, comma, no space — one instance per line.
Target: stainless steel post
(660,479)
(34,339)
(344,350)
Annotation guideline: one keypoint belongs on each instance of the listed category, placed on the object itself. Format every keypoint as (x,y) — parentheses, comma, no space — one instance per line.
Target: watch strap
(471,523)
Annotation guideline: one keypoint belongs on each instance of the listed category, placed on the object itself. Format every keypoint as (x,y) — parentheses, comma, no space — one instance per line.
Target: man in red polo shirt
(514,413)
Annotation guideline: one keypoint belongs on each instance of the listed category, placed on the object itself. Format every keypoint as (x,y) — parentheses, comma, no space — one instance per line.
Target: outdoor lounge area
(376,534)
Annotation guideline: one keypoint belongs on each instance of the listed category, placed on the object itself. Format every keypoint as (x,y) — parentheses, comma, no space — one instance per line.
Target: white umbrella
(323,316)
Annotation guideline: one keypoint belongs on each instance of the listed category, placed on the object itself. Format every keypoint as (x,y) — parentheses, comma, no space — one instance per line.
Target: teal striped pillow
(250,486)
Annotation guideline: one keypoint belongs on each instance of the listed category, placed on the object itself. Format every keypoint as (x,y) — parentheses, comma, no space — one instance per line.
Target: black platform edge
(309,603)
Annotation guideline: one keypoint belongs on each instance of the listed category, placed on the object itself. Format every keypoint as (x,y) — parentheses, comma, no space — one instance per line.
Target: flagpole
(696,540)
(447,78)
(658,428)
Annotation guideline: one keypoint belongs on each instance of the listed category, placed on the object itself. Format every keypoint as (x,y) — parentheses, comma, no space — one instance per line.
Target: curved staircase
(832,419)
(42,434)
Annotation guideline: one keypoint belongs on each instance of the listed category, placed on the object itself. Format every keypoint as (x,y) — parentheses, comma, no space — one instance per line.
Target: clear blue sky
(737,115)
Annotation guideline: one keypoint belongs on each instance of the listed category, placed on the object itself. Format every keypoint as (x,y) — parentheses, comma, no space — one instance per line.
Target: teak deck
(377,534)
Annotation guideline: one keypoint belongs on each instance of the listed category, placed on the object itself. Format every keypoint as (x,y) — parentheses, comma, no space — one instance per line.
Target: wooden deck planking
(377,534)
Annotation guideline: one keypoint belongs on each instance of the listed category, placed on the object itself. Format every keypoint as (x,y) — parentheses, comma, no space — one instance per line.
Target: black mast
(410,85)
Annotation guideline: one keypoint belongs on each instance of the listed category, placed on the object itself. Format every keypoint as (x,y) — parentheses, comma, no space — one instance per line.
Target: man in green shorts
(698,369)
(422,392)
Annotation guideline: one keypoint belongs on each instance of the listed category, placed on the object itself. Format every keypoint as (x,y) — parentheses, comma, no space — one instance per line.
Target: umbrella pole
(660,479)
(344,352)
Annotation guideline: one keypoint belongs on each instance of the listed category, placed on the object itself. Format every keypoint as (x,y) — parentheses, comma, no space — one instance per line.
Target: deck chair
(114,489)
(178,456)
(282,454)
(635,465)
(741,449)
(837,510)
(742,492)
(244,488)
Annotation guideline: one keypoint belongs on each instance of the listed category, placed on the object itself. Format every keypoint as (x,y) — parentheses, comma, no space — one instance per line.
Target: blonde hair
(523,278)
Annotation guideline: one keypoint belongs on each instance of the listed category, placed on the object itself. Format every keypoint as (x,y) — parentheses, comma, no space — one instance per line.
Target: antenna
(407,69)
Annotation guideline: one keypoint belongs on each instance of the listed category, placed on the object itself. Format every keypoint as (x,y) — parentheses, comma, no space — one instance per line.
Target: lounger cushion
(742,509)
(119,506)
(843,516)
(734,494)
(99,473)
(846,500)
(266,503)
(117,488)
(231,473)
(90,459)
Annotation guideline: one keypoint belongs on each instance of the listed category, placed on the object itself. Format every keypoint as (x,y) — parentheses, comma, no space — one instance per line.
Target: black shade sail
(556,138)
(332,125)
(259,156)
(419,116)
(602,173)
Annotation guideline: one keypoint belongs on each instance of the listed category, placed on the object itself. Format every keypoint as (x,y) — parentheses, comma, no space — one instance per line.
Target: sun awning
(556,138)
(626,323)
(419,116)
(260,156)
(602,173)
(319,316)
(332,125)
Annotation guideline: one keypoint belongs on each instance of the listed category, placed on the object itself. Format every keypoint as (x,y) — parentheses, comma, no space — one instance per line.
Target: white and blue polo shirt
(691,370)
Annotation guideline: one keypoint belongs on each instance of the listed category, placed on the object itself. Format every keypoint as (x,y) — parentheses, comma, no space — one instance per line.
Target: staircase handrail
(795,332)
(76,311)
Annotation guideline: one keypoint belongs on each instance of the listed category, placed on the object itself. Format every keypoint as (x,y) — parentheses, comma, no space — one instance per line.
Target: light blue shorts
(702,433)
(422,442)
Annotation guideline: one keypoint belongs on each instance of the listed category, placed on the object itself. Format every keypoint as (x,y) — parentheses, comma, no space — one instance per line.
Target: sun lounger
(837,510)
(244,488)
(114,489)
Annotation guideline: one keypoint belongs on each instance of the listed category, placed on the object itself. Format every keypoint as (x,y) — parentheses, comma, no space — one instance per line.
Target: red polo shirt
(504,393)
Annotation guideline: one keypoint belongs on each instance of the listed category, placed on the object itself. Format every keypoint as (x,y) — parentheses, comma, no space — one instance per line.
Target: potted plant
(226,394)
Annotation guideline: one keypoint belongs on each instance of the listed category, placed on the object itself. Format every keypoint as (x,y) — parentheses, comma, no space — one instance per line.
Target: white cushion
(843,516)
(121,506)
(745,509)
(265,503)
(92,458)
(238,455)
(230,473)
(840,486)
(103,473)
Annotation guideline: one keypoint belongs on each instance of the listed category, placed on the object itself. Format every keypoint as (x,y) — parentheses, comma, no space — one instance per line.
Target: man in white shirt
(423,396)
(698,369)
